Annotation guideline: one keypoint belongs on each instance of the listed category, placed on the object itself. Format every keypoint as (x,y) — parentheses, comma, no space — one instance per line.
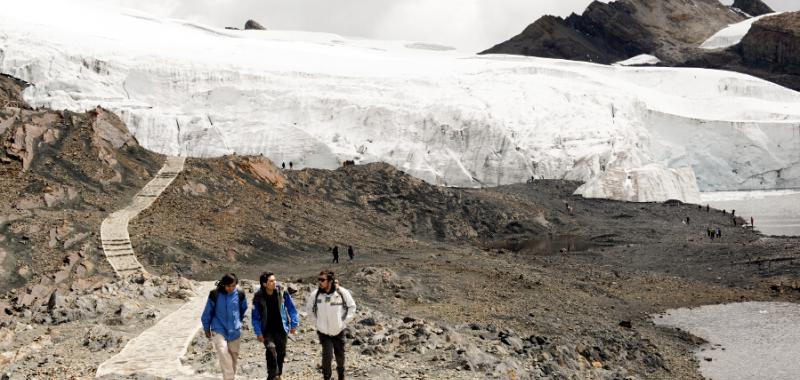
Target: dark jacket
(285,305)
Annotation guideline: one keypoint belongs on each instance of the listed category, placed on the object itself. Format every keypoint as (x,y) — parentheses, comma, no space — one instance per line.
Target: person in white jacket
(331,308)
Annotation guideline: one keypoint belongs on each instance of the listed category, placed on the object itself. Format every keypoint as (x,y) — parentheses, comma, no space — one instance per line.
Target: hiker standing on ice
(222,322)
(331,307)
(274,317)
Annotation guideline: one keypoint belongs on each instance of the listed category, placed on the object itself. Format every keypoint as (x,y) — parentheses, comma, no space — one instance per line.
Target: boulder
(194,188)
(101,338)
(253,25)
(264,171)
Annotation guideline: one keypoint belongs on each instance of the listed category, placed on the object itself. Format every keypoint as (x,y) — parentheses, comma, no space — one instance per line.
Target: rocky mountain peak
(753,7)
(609,32)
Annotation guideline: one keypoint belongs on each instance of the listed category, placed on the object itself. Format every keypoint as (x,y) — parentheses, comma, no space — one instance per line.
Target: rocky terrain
(482,263)
(671,31)
(61,174)
(514,282)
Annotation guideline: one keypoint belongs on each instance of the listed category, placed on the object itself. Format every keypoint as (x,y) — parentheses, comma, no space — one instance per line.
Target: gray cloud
(468,24)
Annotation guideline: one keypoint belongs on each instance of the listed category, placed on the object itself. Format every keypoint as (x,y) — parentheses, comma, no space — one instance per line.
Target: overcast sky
(468,24)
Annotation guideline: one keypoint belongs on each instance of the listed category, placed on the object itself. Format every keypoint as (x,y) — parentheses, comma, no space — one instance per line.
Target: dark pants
(275,345)
(332,345)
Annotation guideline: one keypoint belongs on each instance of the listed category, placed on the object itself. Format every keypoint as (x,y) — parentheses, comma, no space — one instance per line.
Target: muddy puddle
(549,245)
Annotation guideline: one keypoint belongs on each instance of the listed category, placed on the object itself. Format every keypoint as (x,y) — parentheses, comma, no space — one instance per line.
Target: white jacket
(331,315)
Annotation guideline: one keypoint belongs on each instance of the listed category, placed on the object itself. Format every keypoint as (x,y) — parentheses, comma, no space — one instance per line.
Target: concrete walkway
(114,230)
(157,351)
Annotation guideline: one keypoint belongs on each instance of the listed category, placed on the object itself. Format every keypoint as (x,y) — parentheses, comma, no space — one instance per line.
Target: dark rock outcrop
(253,25)
(770,50)
(773,43)
(752,7)
(606,33)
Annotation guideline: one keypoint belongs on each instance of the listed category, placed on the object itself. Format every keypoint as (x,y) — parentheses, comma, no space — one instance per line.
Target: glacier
(446,116)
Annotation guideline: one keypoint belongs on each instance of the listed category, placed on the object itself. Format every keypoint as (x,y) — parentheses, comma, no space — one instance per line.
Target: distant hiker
(222,322)
(283,165)
(724,212)
(752,223)
(291,165)
(350,253)
(719,233)
(708,208)
(336,254)
(331,308)
(734,221)
(274,316)
(687,220)
(733,212)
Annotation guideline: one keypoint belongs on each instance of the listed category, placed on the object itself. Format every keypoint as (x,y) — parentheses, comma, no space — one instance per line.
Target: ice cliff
(445,116)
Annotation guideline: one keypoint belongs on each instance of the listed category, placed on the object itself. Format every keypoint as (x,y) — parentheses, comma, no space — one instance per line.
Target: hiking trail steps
(158,350)
(114,230)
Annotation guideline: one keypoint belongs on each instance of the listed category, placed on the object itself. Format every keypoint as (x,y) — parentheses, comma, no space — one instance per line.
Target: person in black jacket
(274,316)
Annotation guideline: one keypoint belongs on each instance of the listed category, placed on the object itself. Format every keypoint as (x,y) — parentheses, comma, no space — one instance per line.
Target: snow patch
(732,34)
(639,60)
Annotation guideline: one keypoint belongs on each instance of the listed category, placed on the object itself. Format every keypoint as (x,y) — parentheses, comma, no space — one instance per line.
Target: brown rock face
(622,29)
(774,43)
(753,7)
(253,25)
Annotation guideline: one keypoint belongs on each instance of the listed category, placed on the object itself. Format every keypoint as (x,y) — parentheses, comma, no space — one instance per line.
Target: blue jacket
(225,314)
(285,305)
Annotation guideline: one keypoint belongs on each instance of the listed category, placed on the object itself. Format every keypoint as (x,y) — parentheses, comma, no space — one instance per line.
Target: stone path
(156,352)
(114,230)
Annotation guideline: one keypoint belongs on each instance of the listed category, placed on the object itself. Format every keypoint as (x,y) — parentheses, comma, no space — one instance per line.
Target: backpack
(344,302)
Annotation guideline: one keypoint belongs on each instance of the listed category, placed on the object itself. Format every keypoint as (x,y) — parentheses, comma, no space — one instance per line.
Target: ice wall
(445,116)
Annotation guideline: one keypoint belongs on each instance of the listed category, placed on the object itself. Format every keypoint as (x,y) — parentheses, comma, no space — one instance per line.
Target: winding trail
(157,351)
(114,230)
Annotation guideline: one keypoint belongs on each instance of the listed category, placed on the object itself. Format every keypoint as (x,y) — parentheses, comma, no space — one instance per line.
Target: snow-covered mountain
(445,116)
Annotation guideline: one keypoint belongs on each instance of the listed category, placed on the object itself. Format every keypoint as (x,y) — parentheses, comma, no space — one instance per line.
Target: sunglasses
(322,279)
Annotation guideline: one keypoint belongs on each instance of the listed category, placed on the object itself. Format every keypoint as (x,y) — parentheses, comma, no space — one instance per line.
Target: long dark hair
(227,279)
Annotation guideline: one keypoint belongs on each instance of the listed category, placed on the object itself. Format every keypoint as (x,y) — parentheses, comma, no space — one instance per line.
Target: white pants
(227,353)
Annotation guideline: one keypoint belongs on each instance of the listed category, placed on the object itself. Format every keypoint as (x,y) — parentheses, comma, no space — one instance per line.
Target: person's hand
(208,334)
(261,338)
(293,331)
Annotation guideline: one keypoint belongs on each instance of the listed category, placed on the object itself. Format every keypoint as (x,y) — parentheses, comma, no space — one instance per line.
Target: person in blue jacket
(222,322)
(274,316)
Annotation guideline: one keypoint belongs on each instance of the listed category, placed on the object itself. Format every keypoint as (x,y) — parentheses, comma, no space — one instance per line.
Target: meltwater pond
(775,212)
(750,340)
